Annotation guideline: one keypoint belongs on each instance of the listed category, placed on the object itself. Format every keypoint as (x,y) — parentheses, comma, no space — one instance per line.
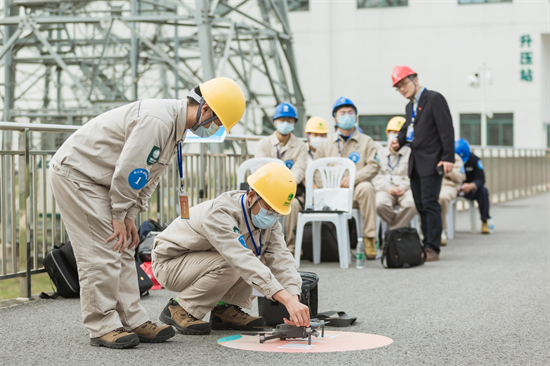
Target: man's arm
(142,201)
(445,129)
(457,174)
(300,165)
(372,167)
(479,178)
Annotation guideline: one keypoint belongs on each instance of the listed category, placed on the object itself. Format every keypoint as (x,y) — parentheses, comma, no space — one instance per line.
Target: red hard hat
(148,269)
(401,72)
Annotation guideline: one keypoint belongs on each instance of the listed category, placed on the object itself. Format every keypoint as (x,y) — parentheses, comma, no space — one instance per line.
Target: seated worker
(316,132)
(228,246)
(348,142)
(392,182)
(450,186)
(474,186)
(283,145)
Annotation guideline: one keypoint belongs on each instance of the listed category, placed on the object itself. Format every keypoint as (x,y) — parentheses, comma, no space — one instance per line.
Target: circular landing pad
(332,342)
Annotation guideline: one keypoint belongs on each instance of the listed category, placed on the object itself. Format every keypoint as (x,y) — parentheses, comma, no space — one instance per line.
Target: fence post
(25,216)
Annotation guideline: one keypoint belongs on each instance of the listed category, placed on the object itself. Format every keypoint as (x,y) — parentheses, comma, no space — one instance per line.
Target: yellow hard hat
(316,125)
(226,99)
(275,183)
(395,124)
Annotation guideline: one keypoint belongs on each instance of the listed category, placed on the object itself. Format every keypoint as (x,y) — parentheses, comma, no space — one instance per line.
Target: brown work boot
(149,332)
(233,317)
(185,323)
(118,338)
(370,248)
(431,255)
(443,238)
(485,228)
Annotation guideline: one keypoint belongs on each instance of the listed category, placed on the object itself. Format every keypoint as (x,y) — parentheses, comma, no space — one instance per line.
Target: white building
(350,47)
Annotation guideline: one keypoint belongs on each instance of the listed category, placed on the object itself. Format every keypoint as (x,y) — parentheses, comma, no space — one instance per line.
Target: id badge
(388,177)
(184,204)
(410,133)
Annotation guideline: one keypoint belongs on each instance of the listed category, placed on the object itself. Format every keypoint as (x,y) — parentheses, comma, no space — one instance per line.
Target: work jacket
(474,171)
(394,169)
(125,147)
(219,225)
(455,177)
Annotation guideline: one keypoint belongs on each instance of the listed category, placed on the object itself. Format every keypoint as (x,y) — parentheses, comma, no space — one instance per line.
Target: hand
(131,230)
(119,231)
(447,167)
(399,191)
(467,187)
(345,182)
(394,145)
(299,313)
(391,191)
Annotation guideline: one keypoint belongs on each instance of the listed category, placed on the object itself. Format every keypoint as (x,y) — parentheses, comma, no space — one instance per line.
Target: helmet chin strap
(412,79)
(200,100)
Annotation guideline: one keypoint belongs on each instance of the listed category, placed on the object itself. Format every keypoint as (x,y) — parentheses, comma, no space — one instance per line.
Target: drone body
(286,331)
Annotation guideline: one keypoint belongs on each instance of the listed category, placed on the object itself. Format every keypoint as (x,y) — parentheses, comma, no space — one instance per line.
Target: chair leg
(377,228)
(343,242)
(472,216)
(299,237)
(316,236)
(450,221)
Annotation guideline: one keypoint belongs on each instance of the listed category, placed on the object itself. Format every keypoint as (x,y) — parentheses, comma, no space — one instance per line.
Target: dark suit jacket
(434,137)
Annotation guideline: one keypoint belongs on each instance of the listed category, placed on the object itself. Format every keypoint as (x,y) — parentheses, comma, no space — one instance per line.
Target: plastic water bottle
(360,255)
(491,225)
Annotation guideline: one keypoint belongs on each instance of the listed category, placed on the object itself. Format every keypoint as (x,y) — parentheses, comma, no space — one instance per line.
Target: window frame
(299,5)
(382,122)
(464,120)
(384,6)
(476,2)
(500,121)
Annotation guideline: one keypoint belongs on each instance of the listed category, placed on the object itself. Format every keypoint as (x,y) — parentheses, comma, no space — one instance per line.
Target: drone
(287,331)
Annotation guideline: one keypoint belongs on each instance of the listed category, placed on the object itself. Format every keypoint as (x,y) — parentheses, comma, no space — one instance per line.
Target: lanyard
(310,154)
(279,156)
(180,162)
(258,252)
(414,113)
(396,164)
(339,152)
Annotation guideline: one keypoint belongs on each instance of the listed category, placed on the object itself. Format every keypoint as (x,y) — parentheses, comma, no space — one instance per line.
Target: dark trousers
(481,195)
(425,192)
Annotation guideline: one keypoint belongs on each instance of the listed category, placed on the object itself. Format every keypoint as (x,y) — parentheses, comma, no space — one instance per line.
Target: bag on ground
(62,273)
(329,241)
(402,249)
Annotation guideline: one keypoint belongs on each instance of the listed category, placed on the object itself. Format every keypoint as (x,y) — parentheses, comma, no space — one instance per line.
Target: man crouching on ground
(229,245)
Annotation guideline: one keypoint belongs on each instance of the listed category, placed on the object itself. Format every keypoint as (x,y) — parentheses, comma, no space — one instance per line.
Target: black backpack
(329,241)
(402,249)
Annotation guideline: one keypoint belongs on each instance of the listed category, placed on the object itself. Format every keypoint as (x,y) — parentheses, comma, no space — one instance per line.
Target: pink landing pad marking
(332,342)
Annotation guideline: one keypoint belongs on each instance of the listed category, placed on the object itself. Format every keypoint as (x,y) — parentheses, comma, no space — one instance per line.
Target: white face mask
(206,132)
(315,141)
(391,136)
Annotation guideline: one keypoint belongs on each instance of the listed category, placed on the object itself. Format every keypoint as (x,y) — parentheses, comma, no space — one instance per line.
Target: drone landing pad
(332,342)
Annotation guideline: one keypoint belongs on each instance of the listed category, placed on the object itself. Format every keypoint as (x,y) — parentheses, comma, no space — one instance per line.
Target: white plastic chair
(331,176)
(252,165)
(452,214)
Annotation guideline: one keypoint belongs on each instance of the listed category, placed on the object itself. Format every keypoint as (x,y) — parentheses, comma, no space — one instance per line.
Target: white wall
(342,50)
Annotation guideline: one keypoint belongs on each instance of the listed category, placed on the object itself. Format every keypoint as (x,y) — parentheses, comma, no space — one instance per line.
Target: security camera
(473,80)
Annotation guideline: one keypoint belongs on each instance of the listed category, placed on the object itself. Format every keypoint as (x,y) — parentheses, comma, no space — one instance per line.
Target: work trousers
(202,279)
(481,195)
(291,220)
(364,198)
(109,290)
(385,204)
(446,195)
(426,198)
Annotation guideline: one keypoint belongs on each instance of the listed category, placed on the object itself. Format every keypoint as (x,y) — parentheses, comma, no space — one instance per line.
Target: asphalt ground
(486,302)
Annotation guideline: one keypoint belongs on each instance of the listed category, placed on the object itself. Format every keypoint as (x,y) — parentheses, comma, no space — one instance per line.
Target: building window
(375,126)
(298,5)
(483,1)
(500,130)
(548,136)
(381,3)
(470,128)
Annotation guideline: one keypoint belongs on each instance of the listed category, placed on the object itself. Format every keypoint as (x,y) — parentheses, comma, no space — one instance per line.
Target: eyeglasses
(270,211)
(403,83)
(342,113)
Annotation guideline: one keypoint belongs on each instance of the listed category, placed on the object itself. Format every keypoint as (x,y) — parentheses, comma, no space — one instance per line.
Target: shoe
(370,248)
(118,339)
(485,228)
(431,255)
(233,317)
(149,332)
(185,323)
(443,238)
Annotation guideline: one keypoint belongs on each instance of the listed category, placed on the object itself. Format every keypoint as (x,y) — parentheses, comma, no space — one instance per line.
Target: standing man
(103,175)
(316,133)
(392,183)
(450,187)
(231,245)
(474,186)
(430,133)
(283,145)
(348,142)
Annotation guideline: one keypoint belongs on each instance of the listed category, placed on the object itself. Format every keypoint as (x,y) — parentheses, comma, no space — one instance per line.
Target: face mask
(346,122)
(206,132)
(264,219)
(200,130)
(285,128)
(314,142)
(391,136)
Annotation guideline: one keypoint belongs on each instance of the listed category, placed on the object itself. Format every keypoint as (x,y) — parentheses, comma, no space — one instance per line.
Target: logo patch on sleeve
(377,158)
(154,155)
(289,164)
(354,156)
(138,178)
(480,164)
(241,240)
(462,170)
(236,229)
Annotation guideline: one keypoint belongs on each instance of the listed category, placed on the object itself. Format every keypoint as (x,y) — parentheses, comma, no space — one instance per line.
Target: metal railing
(30,223)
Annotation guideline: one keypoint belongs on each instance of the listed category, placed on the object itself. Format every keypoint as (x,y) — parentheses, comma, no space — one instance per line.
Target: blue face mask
(285,128)
(206,132)
(264,219)
(346,122)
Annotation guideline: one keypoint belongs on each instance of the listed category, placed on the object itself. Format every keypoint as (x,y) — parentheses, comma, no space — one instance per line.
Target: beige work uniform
(394,173)
(294,154)
(212,257)
(362,150)
(450,187)
(98,175)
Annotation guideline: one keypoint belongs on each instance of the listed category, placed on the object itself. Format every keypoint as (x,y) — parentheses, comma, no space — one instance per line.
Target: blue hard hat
(285,109)
(342,102)
(462,148)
